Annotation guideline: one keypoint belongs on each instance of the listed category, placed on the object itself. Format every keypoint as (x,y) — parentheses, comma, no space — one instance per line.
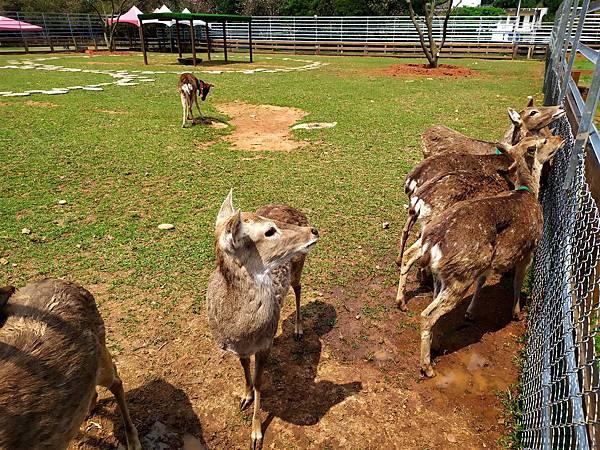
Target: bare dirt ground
(443,70)
(352,383)
(262,127)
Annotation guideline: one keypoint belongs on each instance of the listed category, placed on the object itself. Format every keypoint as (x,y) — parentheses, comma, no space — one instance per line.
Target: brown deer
(53,353)
(188,87)
(440,139)
(258,256)
(447,189)
(476,238)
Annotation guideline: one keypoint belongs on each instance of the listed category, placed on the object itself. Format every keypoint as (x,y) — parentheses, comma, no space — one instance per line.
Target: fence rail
(321,32)
(561,377)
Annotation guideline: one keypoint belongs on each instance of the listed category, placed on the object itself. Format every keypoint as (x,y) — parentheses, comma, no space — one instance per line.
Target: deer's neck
(242,283)
(530,180)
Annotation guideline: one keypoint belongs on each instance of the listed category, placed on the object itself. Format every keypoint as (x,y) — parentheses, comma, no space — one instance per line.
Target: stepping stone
(56,92)
(72,88)
(36,91)
(314,125)
(91,88)
(17,94)
(145,80)
(5,92)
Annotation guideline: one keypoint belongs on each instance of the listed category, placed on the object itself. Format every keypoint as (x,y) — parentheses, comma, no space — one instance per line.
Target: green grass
(123,174)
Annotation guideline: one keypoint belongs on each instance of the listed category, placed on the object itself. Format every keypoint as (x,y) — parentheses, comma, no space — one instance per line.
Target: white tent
(196,22)
(162,9)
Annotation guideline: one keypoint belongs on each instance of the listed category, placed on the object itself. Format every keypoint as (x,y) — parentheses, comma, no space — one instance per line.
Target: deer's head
(204,89)
(534,119)
(257,243)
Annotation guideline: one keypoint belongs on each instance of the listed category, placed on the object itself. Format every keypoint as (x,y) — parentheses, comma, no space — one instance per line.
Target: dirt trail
(352,382)
(262,127)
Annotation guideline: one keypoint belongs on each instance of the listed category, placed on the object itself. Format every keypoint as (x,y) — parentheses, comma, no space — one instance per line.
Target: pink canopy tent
(7,24)
(130,17)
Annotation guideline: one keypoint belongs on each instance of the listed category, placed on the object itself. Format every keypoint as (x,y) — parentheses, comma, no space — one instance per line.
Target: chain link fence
(561,379)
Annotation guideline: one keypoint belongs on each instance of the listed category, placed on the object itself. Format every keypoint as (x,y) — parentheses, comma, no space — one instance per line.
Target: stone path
(127,77)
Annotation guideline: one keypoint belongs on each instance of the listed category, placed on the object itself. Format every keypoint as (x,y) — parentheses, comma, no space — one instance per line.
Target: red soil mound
(443,70)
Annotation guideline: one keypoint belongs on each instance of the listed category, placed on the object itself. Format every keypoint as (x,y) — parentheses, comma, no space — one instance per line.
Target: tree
(110,8)
(431,10)
(263,7)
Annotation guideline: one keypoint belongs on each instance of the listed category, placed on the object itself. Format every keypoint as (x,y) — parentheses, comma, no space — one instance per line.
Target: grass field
(124,165)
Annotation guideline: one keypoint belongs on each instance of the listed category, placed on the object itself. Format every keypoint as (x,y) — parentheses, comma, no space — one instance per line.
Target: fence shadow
(291,392)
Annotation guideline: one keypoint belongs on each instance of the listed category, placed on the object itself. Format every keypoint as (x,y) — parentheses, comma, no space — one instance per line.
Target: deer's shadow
(162,413)
(292,394)
(492,313)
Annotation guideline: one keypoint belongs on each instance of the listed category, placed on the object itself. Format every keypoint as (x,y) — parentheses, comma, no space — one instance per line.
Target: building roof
(196,16)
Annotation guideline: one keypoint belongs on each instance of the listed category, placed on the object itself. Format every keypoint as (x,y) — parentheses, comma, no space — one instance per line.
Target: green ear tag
(498,152)
(523,188)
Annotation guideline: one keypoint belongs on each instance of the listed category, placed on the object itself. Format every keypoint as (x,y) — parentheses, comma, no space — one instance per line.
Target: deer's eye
(270,232)
(533,113)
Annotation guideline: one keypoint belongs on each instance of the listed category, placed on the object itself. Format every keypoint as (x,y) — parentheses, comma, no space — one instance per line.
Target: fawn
(258,256)
(188,87)
(440,139)
(53,353)
(476,238)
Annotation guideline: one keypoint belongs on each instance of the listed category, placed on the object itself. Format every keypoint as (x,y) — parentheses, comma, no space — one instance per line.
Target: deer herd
(476,203)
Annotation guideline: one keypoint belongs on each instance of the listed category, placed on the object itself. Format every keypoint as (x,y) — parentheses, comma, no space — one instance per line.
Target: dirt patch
(112,112)
(262,127)
(444,70)
(5,103)
(104,52)
(40,104)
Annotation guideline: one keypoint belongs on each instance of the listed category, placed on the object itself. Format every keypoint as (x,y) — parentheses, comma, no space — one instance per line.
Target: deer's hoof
(246,401)
(402,306)
(257,441)
(469,317)
(298,336)
(428,371)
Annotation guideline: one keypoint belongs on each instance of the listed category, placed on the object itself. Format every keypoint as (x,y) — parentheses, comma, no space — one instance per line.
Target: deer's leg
(520,271)
(410,221)
(248,397)
(259,366)
(296,274)
(109,378)
(408,259)
(197,104)
(480,282)
(184,106)
(445,302)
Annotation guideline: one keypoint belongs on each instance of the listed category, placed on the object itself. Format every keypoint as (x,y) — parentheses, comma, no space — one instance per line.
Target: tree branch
(445,26)
(413,18)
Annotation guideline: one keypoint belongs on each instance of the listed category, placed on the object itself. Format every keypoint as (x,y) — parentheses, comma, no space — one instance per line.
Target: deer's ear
(529,101)
(234,230)
(515,117)
(227,210)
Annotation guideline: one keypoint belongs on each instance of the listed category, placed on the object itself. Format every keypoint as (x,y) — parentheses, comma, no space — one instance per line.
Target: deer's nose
(314,232)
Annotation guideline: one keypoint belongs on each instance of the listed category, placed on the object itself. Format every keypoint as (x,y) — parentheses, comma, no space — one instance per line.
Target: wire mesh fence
(561,377)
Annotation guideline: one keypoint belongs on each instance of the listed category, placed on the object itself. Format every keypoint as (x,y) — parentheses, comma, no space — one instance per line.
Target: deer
(449,188)
(258,256)
(440,139)
(188,87)
(474,239)
(53,352)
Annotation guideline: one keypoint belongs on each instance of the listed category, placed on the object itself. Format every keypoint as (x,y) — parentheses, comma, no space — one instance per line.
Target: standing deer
(449,188)
(440,139)
(188,87)
(476,238)
(53,353)
(258,256)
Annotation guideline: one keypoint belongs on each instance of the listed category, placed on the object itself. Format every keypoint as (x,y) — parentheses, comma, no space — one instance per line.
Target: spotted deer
(53,353)
(476,238)
(188,87)
(259,255)
(440,139)
(449,188)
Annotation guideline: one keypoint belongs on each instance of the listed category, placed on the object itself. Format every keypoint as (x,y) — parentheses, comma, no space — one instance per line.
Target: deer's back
(491,233)
(441,193)
(440,139)
(49,349)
